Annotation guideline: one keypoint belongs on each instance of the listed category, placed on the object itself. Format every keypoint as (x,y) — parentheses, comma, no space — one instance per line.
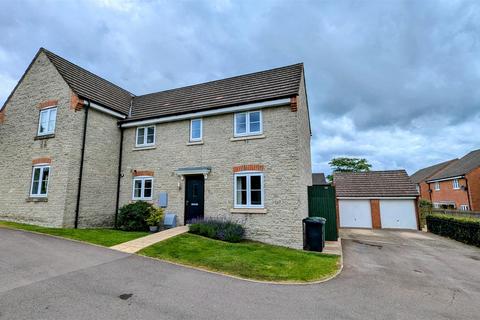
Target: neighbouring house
(318,179)
(456,185)
(75,147)
(376,199)
(421,176)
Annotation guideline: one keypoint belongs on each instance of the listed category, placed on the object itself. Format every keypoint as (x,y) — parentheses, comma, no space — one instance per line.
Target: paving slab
(143,242)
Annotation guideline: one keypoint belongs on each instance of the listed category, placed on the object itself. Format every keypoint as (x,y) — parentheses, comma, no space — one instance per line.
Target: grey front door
(194,192)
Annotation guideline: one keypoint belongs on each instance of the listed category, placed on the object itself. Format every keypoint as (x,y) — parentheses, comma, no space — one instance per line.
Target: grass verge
(103,237)
(247,259)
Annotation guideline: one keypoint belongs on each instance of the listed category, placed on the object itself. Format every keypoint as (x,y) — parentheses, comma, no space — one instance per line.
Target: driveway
(387,275)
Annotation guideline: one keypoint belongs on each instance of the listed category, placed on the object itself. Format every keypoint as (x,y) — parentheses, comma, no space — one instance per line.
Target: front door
(194,187)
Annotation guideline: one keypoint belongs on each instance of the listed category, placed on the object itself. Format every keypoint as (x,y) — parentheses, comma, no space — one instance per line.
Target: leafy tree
(344,164)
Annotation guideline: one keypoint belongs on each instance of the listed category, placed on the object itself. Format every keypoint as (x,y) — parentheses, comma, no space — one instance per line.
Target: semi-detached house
(75,148)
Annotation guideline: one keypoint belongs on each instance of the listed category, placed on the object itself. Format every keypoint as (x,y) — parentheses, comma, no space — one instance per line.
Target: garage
(376,199)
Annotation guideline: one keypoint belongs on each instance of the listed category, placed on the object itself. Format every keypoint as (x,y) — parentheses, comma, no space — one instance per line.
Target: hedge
(219,229)
(462,229)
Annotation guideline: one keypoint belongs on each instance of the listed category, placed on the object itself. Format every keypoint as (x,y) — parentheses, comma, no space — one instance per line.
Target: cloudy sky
(396,82)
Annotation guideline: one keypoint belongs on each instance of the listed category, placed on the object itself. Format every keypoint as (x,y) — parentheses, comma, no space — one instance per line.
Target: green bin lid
(315,220)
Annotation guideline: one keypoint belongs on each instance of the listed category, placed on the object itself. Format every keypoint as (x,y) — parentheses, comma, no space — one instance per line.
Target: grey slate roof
(318,179)
(90,86)
(460,167)
(391,183)
(254,87)
(425,173)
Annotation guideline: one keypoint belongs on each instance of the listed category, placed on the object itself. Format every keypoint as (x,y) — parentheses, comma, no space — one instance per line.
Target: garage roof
(390,183)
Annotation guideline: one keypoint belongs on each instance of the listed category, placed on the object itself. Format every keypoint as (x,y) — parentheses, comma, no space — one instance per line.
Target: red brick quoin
(249,167)
(2,116)
(42,160)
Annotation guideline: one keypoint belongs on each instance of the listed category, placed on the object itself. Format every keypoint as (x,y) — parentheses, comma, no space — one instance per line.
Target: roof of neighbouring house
(90,86)
(390,183)
(425,173)
(460,167)
(318,179)
(278,83)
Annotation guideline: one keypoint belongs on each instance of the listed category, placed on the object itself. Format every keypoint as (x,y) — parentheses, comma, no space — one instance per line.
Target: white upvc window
(464,207)
(248,123)
(145,136)
(46,122)
(417,186)
(40,177)
(437,186)
(196,130)
(456,185)
(249,190)
(142,188)
(436,205)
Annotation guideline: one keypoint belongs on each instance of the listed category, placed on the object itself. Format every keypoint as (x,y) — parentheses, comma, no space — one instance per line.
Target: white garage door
(355,213)
(398,214)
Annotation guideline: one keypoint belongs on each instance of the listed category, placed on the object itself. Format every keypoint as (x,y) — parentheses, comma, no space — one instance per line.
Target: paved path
(143,242)
(387,275)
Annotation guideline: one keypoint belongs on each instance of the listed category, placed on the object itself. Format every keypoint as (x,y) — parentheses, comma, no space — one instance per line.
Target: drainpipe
(119,176)
(468,194)
(77,208)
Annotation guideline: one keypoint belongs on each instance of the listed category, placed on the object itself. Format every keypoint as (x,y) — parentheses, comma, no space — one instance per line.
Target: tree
(344,164)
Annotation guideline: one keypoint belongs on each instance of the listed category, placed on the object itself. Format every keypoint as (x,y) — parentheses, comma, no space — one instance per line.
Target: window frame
(248,189)
(49,111)
(40,180)
(142,188)
(145,136)
(456,184)
(247,124)
(464,207)
(437,186)
(192,139)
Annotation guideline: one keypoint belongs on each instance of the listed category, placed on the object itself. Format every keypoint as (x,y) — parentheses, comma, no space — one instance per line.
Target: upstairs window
(46,123)
(456,185)
(248,123)
(40,176)
(145,136)
(249,190)
(437,186)
(196,128)
(142,188)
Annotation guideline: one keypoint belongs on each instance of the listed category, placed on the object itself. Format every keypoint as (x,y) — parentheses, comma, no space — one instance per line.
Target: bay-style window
(248,123)
(196,128)
(249,190)
(145,136)
(40,175)
(142,188)
(46,123)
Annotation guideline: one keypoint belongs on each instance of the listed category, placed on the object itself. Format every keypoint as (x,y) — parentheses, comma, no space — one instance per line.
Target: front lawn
(103,237)
(247,259)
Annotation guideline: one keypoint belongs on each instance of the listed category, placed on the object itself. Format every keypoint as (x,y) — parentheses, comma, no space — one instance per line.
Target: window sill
(195,143)
(45,136)
(249,210)
(36,199)
(260,136)
(144,148)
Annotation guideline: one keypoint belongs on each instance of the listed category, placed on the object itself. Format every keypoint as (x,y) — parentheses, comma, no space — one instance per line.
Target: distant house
(376,200)
(318,179)
(456,185)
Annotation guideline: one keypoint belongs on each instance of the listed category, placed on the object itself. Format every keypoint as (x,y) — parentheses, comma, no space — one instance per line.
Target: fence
(459,213)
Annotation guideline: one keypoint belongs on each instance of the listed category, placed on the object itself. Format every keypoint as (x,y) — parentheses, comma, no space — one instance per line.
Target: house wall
(447,193)
(100,170)
(19,148)
(279,151)
(473,180)
(424,191)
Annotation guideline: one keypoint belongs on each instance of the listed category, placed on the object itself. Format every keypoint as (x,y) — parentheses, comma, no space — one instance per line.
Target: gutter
(445,179)
(82,158)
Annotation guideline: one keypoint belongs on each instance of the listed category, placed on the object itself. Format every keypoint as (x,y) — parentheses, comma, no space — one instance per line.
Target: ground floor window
(464,207)
(142,188)
(40,176)
(249,190)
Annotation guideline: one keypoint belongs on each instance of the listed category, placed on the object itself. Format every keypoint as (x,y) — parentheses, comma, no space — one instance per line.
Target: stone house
(75,147)
(453,184)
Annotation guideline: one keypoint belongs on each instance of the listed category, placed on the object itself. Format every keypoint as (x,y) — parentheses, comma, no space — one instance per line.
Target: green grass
(103,237)
(246,259)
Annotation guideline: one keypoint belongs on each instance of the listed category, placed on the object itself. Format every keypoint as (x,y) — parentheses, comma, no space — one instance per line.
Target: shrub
(133,216)
(462,229)
(224,230)
(155,216)
(425,207)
